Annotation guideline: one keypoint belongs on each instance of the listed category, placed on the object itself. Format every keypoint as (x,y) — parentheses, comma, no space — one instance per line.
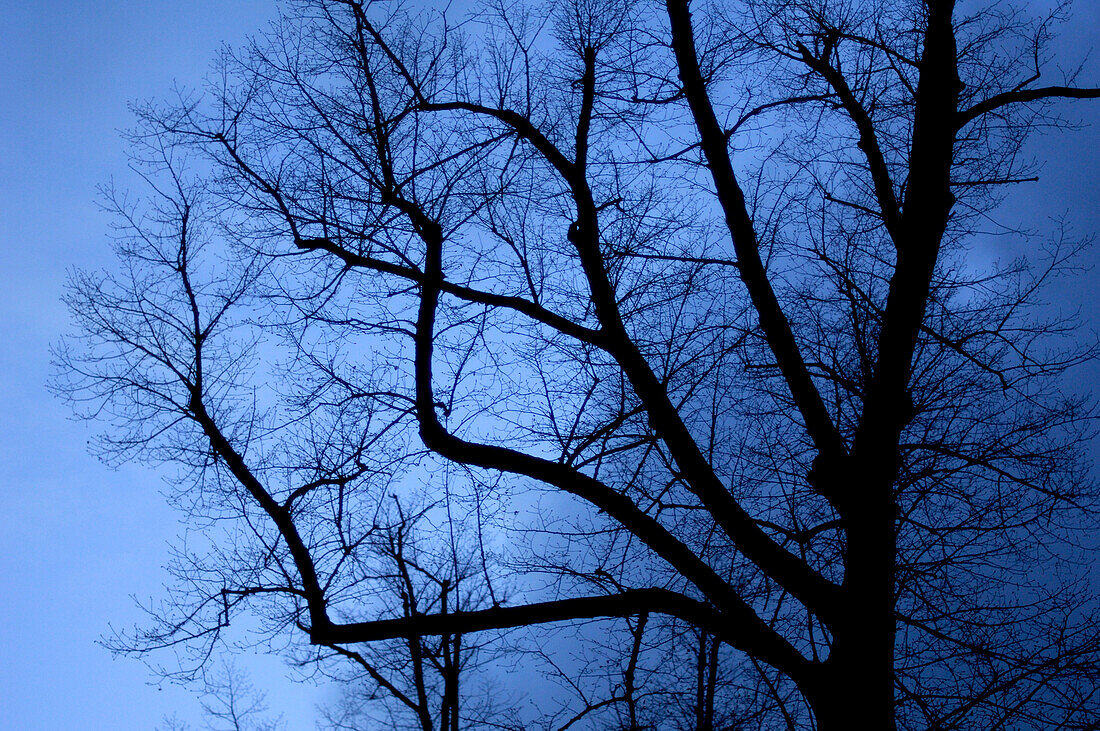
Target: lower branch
(629,603)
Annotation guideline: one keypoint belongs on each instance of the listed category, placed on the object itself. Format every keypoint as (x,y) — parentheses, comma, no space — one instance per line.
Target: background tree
(419,682)
(677,302)
(230,702)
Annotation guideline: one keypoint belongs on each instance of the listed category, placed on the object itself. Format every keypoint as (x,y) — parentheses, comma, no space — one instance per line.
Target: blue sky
(77,539)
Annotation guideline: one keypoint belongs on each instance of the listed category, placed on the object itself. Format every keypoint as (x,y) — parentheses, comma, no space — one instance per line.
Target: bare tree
(679,302)
(230,703)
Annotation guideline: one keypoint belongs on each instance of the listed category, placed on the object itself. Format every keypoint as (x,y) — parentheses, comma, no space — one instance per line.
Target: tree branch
(1021,96)
(777,329)
(625,604)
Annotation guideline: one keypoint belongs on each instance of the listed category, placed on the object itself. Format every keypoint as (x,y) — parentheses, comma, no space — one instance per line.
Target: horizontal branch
(625,604)
(1022,96)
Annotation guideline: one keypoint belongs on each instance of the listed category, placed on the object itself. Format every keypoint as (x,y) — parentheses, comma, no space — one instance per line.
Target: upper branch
(588,98)
(926,210)
(774,323)
(809,586)
(868,138)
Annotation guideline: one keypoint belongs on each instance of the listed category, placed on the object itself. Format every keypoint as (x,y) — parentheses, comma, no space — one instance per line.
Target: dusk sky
(77,539)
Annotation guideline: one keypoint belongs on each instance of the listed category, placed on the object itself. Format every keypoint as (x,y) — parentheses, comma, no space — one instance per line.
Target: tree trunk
(853,708)
(856,689)
(856,685)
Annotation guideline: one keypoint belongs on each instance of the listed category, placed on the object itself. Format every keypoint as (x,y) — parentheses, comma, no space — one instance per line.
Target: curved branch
(764,640)
(518,304)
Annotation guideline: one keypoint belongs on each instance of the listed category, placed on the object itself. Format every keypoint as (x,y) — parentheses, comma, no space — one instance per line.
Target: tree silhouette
(229,703)
(678,303)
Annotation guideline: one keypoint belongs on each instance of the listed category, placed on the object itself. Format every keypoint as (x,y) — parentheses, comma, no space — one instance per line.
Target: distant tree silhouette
(669,317)
(230,703)
(417,682)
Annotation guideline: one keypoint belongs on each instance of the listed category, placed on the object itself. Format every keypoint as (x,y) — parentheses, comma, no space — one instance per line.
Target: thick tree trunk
(855,689)
(856,685)
(857,695)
